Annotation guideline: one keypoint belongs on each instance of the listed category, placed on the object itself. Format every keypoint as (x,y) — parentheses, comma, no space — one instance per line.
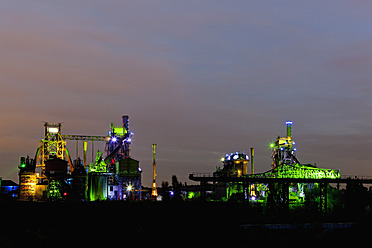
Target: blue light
(288,123)
(113,139)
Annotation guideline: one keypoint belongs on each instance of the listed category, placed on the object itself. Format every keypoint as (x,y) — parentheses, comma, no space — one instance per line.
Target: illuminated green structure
(113,176)
(285,165)
(302,171)
(54,191)
(116,176)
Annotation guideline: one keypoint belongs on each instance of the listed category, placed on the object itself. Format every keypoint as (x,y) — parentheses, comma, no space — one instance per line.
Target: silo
(98,186)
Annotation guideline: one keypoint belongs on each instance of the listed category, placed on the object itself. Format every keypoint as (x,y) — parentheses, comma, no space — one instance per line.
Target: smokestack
(252,160)
(85,144)
(289,129)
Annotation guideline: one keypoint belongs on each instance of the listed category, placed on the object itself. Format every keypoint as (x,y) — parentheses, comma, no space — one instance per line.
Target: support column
(323,198)
(203,192)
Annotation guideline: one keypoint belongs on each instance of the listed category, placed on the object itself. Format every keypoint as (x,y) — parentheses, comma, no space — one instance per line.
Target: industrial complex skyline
(199,79)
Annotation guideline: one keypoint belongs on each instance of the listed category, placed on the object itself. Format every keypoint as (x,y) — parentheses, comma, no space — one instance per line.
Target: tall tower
(154,192)
(51,146)
(118,143)
(283,150)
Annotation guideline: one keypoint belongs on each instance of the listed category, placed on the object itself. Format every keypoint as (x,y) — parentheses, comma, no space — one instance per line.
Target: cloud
(198,78)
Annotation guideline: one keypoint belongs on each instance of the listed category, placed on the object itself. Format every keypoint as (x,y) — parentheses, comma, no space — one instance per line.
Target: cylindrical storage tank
(245,167)
(97,186)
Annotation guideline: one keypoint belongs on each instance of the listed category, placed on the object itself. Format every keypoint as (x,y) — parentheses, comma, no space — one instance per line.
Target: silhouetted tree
(164,190)
(356,198)
(176,189)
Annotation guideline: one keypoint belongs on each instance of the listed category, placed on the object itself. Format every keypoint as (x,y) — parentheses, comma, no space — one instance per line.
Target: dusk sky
(198,78)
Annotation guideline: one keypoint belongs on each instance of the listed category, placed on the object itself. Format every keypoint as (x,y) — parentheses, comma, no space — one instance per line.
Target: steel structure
(286,182)
(114,176)
(211,177)
(85,137)
(117,171)
(42,176)
(52,146)
(283,151)
(286,165)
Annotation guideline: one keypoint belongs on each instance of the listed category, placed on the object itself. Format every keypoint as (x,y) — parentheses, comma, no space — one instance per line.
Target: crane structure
(154,192)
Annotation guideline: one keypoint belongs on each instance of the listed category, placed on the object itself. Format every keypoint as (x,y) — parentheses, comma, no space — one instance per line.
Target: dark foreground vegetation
(169,224)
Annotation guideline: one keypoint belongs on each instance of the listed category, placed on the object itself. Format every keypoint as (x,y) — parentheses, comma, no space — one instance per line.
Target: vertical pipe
(45,128)
(77,148)
(289,129)
(85,143)
(92,151)
(252,160)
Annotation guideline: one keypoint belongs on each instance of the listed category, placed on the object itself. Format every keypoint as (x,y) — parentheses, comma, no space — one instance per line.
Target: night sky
(198,78)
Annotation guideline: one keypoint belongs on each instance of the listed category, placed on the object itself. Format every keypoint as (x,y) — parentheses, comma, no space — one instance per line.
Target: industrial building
(52,174)
(232,180)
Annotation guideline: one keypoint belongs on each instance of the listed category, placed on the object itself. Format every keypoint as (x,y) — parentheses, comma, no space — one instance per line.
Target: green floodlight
(22,163)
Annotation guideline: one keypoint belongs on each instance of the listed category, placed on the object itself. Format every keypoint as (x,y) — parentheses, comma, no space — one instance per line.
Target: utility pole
(154,192)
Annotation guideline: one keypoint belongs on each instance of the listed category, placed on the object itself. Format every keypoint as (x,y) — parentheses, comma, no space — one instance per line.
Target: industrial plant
(234,195)
(293,179)
(52,175)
